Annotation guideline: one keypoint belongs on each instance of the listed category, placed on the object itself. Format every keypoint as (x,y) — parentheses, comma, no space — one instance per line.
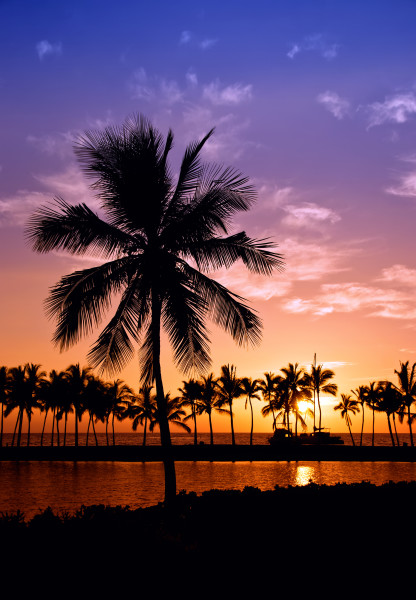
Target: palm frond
(80,299)
(76,229)
(226,309)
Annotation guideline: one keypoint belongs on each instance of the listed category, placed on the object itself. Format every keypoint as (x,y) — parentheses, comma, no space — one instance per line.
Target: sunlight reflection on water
(31,486)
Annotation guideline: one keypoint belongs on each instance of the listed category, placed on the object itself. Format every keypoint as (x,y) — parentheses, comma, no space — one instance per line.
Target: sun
(303,406)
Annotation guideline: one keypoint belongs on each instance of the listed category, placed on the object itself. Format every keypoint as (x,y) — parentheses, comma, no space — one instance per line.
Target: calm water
(31,486)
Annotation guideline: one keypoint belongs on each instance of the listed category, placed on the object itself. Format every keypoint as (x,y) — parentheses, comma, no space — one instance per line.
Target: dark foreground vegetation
(288,537)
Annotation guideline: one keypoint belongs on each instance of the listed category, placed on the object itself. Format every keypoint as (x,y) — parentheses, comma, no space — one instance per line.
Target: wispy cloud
(336,105)
(308,215)
(207,43)
(395,109)
(399,274)
(185,37)
(45,48)
(314,43)
(147,88)
(59,144)
(227,95)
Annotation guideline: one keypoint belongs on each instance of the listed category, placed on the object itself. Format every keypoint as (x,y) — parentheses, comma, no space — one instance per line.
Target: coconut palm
(268,388)
(190,393)
(371,398)
(159,240)
(77,378)
(229,388)
(250,389)
(119,396)
(319,381)
(360,394)
(142,409)
(407,389)
(346,406)
(295,386)
(389,402)
(174,412)
(4,390)
(54,391)
(210,401)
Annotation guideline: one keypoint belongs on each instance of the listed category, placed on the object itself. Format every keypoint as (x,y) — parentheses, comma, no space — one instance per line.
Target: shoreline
(205,452)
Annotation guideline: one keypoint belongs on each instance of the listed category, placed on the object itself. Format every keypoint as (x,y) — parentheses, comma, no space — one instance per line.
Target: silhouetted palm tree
(346,406)
(24,394)
(142,409)
(250,389)
(229,388)
(320,382)
(371,398)
(389,402)
(295,386)
(174,412)
(360,394)
(77,379)
(55,389)
(268,388)
(4,390)
(155,229)
(210,401)
(190,393)
(407,389)
(120,396)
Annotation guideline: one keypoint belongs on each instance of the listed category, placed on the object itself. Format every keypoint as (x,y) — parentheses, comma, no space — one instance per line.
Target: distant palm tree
(372,391)
(268,388)
(250,389)
(77,379)
(319,379)
(389,402)
(159,242)
(190,393)
(295,386)
(175,414)
(407,389)
(346,406)
(210,401)
(119,396)
(4,390)
(360,394)
(54,391)
(229,388)
(142,409)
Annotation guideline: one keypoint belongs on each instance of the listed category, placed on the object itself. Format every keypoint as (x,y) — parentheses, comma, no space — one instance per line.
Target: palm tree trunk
(15,427)
(88,430)
(57,430)
(76,426)
(410,424)
(53,425)
(195,431)
(106,430)
(374,414)
(252,422)
(66,420)
(2,420)
(144,431)
(19,431)
(349,427)
(112,424)
(29,418)
(94,432)
(390,430)
(395,429)
(362,426)
(211,433)
(232,423)
(165,439)
(43,428)
(320,411)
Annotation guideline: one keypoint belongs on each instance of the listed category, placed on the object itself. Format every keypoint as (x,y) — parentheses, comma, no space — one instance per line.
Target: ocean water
(32,486)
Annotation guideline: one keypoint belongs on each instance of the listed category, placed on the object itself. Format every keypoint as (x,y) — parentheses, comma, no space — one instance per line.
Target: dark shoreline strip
(208,453)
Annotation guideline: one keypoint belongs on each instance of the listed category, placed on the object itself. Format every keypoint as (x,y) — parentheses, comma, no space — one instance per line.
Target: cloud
(207,43)
(252,286)
(229,95)
(192,78)
(336,105)
(185,38)
(45,48)
(310,261)
(406,186)
(399,274)
(151,89)
(352,297)
(395,109)
(59,144)
(308,215)
(314,43)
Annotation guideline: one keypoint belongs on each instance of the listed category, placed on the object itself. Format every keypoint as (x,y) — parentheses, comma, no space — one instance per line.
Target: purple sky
(315,101)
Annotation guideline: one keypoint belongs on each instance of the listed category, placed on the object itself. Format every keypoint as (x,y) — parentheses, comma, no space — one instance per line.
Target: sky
(314,101)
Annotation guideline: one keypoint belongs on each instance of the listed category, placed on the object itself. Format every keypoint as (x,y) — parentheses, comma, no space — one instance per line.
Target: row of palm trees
(293,394)
(394,400)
